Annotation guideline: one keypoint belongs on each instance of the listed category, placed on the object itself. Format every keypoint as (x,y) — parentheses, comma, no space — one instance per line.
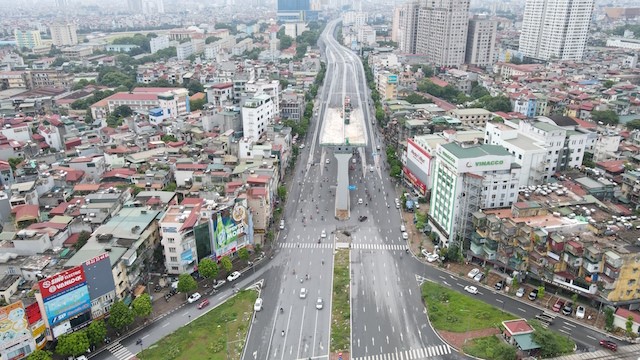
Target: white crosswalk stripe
(394,247)
(119,351)
(355,246)
(412,354)
(305,246)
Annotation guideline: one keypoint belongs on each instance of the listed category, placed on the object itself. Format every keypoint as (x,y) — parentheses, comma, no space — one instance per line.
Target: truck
(545,318)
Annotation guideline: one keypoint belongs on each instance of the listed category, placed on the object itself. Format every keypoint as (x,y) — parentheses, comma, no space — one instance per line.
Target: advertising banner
(419,185)
(99,276)
(418,156)
(13,325)
(229,225)
(60,282)
(67,305)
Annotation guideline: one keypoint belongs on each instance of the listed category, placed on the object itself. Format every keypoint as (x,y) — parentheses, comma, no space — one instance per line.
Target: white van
(281,224)
(403,228)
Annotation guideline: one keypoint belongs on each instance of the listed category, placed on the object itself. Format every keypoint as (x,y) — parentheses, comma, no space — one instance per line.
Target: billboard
(14,327)
(60,282)
(417,184)
(67,305)
(229,226)
(417,155)
(99,276)
(392,79)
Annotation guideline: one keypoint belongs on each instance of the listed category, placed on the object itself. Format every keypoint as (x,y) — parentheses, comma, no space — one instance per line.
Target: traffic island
(219,334)
(340,306)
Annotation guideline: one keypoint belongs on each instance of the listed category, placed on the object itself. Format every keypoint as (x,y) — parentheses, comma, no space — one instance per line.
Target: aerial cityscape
(319,179)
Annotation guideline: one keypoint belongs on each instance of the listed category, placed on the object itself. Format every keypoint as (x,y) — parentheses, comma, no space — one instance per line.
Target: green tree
(282,192)
(549,345)
(498,103)
(142,306)
(395,171)
(629,325)
(479,91)
(540,291)
(39,355)
(186,284)
(170,187)
(116,78)
(169,138)
(211,39)
(14,162)
(197,104)
(285,42)
(96,332)
(574,299)
(122,111)
(608,318)
(633,124)
(226,263)
(414,98)
(121,316)
(208,268)
(243,254)
(194,87)
(608,117)
(608,84)
(83,237)
(74,344)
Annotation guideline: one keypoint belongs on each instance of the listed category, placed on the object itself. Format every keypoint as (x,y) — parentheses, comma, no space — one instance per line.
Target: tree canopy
(226,264)
(497,103)
(414,98)
(607,117)
(186,283)
(96,332)
(142,306)
(208,268)
(121,316)
(74,344)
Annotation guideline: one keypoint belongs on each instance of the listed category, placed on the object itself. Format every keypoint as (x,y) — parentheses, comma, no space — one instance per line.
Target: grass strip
(220,334)
(340,309)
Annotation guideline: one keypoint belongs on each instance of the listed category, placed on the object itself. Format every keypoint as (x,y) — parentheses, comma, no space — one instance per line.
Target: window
(171,241)
(172,249)
(173,259)
(174,268)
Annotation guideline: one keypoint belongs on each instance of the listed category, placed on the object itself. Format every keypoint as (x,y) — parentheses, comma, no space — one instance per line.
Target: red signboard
(33,313)
(422,188)
(61,282)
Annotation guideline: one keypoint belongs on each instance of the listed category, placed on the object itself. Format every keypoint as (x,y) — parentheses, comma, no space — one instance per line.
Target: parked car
(319,304)
(580,310)
(234,275)
(403,228)
(281,224)
(362,218)
(533,295)
(609,345)
(204,303)
(520,292)
(473,273)
(194,297)
(567,309)
(327,161)
(303,293)
(558,305)
(257,306)
(218,284)
(405,236)
(471,289)
(478,277)
(499,285)
(432,257)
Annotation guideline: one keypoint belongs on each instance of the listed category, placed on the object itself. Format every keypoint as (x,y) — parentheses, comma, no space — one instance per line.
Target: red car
(558,305)
(609,345)
(203,303)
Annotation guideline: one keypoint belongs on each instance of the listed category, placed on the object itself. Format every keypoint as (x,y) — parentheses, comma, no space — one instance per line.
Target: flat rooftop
(336,132)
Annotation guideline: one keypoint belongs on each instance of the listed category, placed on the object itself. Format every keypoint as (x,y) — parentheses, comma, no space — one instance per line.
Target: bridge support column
(343,208)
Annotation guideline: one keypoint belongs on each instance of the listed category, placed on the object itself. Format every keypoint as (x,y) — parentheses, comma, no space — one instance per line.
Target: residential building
(27,38)
(6,174)
(407,25)
(387,85)
(481,41)
(442,31)
(472,117)
(292,105)
(469,177)
(257,113)
(48,78)
(14,79)
(555,29)
(269,87)
(178,239)
(63,34)
(93,167)
(185,50)
(158,43)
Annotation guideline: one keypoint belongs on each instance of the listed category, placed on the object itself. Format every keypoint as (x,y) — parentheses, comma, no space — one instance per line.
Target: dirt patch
(457,339)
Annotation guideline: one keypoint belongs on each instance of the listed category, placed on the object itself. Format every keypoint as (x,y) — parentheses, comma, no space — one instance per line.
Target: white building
(185,50)
(406,22)
(174,103)
(159,43)
(178,239)
(555,29)
(442,31)
(481,41)
(366,35)
(467,178)
(93,167)
(257,113)
(355,18)
(63,34)
(623,43)
(269,87)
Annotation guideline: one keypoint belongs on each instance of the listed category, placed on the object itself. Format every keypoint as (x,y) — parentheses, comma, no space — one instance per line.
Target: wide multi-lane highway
(388,317)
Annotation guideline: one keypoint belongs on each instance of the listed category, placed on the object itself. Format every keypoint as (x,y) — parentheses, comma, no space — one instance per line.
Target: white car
(234,275)
(580,312)
(520,292)
(303,293)
(473,273)
(301,146)
(281,224)
(194,297)
(323,234)
(319,304)
(327,161)
(403,228)
(478,277)
(360,201)
(258,305)
(405,236)
(471,289)
(432,258)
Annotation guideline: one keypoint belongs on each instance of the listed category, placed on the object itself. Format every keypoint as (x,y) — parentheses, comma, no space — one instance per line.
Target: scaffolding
(470,200)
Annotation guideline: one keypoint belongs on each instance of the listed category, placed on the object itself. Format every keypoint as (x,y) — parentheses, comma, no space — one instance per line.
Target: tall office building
(481,41)
(296,11)
(63,34)
(135,6)
(27,38)
(555,29)
(406,23)
(442,31)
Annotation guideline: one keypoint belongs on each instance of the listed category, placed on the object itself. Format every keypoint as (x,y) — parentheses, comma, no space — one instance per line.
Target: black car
(567,309)
(362,218)
(533,294)
(499,285)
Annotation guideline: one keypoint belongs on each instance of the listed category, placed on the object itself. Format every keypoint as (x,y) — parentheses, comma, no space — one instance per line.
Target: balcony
(591,267)
(572,261)
(593,255)
(516,263)
(524,242)
(477,239)
(509,229)
(574,248)
(613,260)
(479,219)
(489,254)
(476,249)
